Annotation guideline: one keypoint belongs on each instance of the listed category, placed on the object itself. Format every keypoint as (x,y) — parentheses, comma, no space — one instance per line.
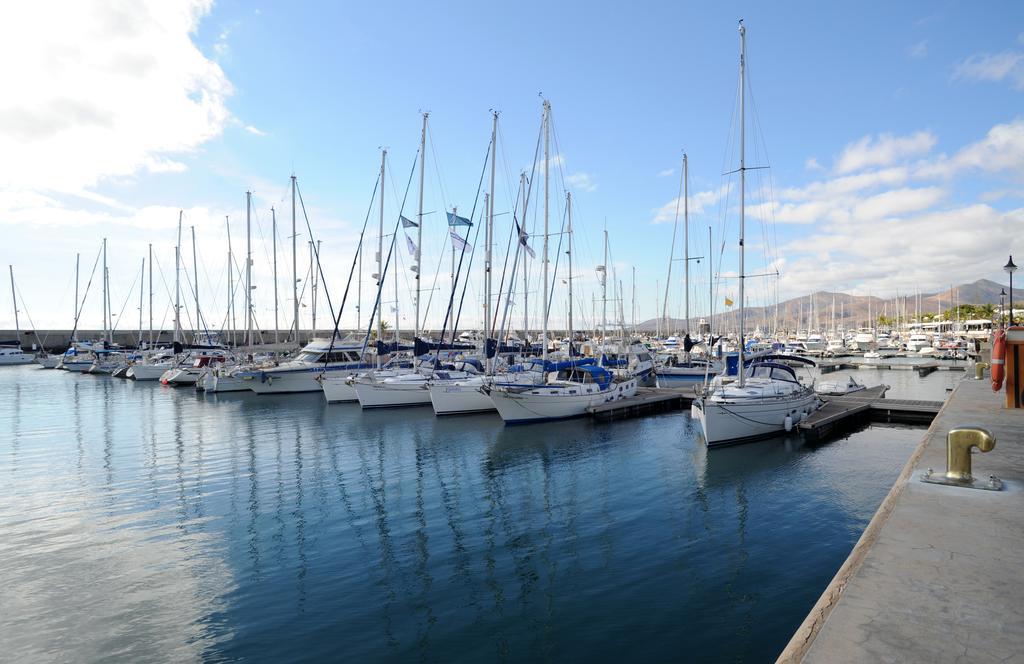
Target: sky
(888,142)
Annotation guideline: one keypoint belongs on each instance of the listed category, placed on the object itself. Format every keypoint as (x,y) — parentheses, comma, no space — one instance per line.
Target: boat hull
(455,399)
(337,389)
(382,395)
(224,383)
(542,403)
(735,421)
(146,371)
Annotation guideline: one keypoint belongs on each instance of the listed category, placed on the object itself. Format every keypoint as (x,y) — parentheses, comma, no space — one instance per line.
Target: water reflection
(265,522)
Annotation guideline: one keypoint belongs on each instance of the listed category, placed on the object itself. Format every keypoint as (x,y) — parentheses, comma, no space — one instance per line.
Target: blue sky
(894,132)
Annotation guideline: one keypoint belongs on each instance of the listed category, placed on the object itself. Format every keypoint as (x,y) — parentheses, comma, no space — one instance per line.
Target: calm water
(143,523)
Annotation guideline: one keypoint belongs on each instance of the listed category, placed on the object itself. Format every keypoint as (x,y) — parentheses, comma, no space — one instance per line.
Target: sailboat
(10,352)
(767,398)
(673,365)
(571,386)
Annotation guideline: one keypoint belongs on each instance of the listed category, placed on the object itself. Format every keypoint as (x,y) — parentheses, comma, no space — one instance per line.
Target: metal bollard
(979,370)
(959,443)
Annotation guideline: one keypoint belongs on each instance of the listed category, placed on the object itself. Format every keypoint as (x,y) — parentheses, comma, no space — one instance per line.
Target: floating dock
(841,412)
(936,575)
(923,369)
(648,400)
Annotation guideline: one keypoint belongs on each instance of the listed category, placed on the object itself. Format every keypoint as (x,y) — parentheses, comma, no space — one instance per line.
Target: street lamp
(1010,269)
(1002,307)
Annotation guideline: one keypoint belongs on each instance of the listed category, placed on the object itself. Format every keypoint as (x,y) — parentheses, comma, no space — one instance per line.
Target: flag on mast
(409,223)
(411,244)
(456,220)
(457,242)
(523,238)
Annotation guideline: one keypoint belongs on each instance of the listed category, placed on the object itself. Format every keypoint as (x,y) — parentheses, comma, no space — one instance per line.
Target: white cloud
(255,131)
(1001,150)
(884,150)
(993,67)
(698,203)
(918,50)
(812,164)
(899,201)
(103,90)
(884,254)
(666,173)
(581,181)
(848,184)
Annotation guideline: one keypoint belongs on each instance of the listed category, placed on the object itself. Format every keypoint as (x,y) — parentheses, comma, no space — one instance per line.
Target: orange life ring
(998,360)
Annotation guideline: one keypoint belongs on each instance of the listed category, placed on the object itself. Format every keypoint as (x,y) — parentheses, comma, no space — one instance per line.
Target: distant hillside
(850,310)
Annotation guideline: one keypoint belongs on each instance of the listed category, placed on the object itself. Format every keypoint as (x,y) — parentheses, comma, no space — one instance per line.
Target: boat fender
(998,360)
(789,423)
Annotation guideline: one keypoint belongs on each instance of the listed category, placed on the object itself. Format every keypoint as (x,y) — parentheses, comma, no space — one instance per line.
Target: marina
(572,332)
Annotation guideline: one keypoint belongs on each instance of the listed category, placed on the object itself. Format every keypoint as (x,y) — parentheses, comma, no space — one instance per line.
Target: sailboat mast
(526,281)
(106,335)
(398,330)
(195,276)
(78,258)
(295,270)
(231,282)
(314,269)
(489,234)
(711,292)
(14,299)
(632,303)
(686,241)
(604,289)
(142,283)
(671,259)
(380,251)
(419,223)
(273,233)
(568,206)
(547,160)
(743,183)
(151,295)
(177,282)
(248,269)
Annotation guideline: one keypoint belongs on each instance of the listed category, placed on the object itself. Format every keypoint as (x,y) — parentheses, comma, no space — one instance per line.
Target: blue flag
(456,220)
(409,223)
(412,245)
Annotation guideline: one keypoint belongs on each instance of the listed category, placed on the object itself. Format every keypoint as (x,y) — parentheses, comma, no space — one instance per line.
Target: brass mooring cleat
(959,443)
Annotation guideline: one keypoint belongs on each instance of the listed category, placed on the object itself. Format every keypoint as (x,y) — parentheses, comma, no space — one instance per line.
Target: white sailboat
(11,353)
(767,398)
(459,391)
(573,386)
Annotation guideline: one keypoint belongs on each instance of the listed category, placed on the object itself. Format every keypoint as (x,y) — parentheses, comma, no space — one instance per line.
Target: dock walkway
(937,575)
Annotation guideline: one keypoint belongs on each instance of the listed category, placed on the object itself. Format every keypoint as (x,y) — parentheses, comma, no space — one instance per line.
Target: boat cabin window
(772,372)
(575,376)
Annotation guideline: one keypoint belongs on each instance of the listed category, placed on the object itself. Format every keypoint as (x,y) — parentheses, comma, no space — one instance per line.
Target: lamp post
(1010,269)
(1002,307)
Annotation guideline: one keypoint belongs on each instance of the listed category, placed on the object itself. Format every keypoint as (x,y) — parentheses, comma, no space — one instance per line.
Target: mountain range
(851,311)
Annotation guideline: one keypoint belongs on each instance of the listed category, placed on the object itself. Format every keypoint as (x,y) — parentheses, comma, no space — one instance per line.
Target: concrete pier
(938,574)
